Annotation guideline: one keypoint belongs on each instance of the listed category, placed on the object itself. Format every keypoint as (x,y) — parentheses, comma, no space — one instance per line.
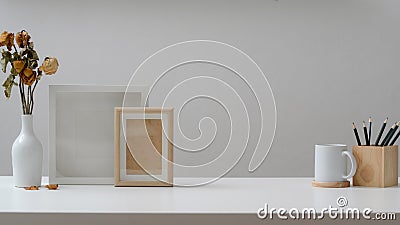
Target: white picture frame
(81,127)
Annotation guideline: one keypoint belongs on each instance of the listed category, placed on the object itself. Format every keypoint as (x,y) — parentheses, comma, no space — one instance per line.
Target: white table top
(228,195)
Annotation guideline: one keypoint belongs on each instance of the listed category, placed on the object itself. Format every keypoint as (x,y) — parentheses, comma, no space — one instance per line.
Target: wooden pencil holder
(376,166)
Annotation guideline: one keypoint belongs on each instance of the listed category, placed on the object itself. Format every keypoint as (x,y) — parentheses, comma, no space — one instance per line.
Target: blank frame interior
(143,148)
(81,144)
(139,140)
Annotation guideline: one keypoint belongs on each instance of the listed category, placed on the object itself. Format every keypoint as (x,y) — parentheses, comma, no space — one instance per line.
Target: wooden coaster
(338,184)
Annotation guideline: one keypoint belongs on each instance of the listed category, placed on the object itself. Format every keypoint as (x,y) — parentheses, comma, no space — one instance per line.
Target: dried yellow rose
(19,65)
(27,76)
(22,38)
(7,39)
(49,66)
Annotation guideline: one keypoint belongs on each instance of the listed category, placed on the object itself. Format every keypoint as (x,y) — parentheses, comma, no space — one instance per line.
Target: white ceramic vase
(27,156)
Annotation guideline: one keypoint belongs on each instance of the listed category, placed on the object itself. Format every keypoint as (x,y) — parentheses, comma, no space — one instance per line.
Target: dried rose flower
(24,62)
(19,65)
(49,66)
(7,39)
(27,76)
(22,38)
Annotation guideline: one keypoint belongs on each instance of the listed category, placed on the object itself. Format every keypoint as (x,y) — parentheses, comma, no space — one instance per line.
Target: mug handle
(353,164)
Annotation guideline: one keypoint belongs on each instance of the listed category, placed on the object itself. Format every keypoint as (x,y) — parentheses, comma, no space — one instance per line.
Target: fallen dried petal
(32,188)
(52,186)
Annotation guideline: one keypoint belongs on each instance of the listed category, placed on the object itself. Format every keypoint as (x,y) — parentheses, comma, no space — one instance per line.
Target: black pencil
(391,134)
(365,133)
(387,135)
(356,134)
(369,131)
(395,138)
(381,132)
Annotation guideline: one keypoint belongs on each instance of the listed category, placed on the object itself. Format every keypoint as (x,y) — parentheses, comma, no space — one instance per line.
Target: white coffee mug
(331,163)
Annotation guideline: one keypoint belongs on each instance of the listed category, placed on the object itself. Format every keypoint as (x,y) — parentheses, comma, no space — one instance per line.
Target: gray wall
(328,62)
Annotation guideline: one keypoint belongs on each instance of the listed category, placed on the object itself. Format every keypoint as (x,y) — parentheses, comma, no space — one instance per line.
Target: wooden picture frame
(143,149)
(81,130)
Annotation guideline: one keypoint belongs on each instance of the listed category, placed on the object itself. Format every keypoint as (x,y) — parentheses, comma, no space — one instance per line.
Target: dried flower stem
(15,48)
(26,99)
(22,98)
(31,100)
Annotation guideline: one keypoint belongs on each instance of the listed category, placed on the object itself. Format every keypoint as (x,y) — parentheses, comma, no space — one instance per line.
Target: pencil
(381,132)
(391,135)
(369,131)
(395,138)
(365,133)
(356,134)
(387,135)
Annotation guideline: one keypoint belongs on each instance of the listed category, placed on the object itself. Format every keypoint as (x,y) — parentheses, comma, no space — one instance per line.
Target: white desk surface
(228,195)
